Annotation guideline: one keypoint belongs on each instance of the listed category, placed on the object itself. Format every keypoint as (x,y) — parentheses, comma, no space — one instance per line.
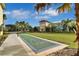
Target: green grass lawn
(66,38)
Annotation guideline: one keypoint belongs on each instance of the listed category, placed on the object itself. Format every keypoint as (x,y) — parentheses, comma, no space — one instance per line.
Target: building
(1,17)
(43,25)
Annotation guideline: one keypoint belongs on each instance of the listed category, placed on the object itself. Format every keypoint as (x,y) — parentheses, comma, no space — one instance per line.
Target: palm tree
(65,24)
(4,18)
(62,8)
(22,26)
(72,25)
(17,26)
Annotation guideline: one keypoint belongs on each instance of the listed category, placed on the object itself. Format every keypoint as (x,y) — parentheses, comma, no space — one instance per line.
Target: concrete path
(12,46)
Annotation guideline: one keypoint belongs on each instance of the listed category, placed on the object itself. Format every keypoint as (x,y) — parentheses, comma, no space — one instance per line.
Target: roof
(44,21)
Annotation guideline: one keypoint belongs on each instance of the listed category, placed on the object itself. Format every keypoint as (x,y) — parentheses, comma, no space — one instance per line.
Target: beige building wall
(1,18)
(43,26)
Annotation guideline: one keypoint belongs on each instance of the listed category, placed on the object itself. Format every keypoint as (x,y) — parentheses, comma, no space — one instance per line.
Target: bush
(48,29)
(36,29)
(2,38)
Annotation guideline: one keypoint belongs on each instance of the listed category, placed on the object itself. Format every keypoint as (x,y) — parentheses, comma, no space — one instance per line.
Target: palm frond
(3,5)
(64,7)
(41,6)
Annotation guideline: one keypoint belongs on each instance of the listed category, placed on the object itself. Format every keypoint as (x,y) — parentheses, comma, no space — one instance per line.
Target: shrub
(2,38)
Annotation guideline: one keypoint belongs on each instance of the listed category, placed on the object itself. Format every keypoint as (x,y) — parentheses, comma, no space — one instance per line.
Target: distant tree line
(18,26)
(65,26)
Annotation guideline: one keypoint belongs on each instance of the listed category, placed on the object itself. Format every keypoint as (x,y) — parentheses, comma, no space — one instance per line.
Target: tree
(72,26)
(36,29)
(22,26)
(30,28)
(48,29)
(53,28)
(4,18)
(65,25)
(62,8)
(10,27)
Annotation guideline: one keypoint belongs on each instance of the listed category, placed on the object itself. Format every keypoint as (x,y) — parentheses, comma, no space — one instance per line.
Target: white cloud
(19,14)
(7,12)
(45,14)
(41,17)
(57,21)
(51,12)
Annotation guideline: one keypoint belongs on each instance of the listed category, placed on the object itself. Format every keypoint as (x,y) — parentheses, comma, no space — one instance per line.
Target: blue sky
(26,12)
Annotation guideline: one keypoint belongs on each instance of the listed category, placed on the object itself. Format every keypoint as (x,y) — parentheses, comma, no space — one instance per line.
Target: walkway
(12,46)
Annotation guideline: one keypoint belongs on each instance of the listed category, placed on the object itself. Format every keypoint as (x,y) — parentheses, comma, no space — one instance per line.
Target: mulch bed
(65,52)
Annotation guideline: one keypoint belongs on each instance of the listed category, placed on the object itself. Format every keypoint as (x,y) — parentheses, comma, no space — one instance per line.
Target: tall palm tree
(22,26)
(4,18)
(62,8)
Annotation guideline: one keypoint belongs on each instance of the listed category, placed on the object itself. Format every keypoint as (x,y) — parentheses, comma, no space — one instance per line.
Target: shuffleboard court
(38,44)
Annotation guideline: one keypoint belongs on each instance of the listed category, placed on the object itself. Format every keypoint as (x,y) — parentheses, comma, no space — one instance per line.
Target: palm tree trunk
(77,25)
(3,27)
